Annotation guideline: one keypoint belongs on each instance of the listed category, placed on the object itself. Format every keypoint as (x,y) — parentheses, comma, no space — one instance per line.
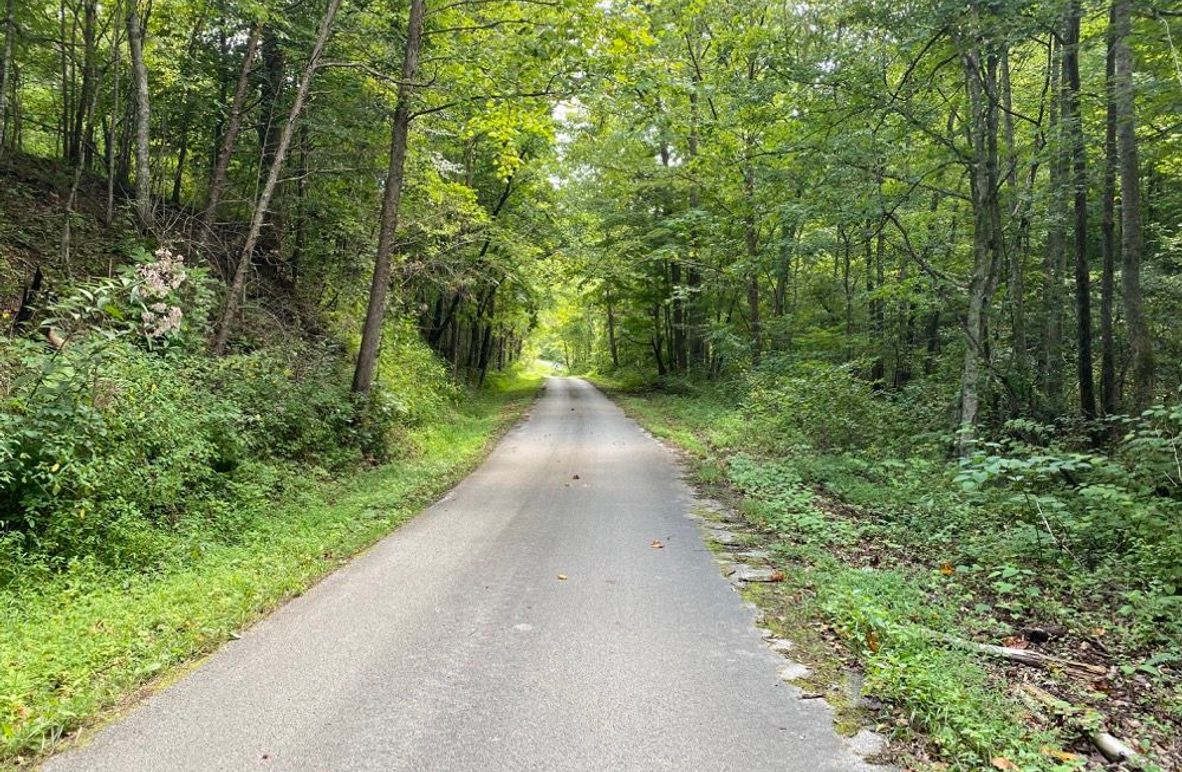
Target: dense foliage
(906,275)
(924,256)
(894,551)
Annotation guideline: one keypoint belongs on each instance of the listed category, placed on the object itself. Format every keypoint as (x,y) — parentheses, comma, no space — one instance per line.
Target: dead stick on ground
(1032,658)
(1112,748)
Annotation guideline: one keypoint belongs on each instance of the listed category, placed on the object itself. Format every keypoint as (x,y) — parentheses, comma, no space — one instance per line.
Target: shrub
(1115,513)
(128,433)
(823,406)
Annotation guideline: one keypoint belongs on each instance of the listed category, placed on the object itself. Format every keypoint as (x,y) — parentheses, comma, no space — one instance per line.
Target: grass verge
(85,640)
(867,589)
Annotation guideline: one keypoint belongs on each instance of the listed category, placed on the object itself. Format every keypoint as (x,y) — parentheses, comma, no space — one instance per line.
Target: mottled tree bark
(1144,370)
(1079,196)
(982,87)
(143,172)
(6,68)
(371,332)
(1109,392)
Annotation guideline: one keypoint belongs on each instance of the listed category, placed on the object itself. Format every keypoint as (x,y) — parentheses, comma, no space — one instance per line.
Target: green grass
(80,643)
(864,586)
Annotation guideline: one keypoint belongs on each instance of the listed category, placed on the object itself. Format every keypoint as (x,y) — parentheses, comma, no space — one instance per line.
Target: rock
(723,537)
(753,555)
(781,645)
(746,573)
(866,742)
(794,671)
(853,687)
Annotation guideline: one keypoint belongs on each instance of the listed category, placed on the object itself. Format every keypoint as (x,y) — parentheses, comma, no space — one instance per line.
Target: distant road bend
(455,644)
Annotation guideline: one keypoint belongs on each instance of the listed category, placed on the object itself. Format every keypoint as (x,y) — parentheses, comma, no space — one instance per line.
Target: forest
(897,276)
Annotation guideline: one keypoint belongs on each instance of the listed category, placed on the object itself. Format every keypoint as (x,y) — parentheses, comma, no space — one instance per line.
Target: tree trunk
(6,67)
(1130,208)
(678,337)
(693,316)
(981,80)
(112,152)
(613,345)
(1050,377)
(751,242)
(64,43)
(1079,190)
(143,173)
(217,179)
(230,308)
(878,308)
(1015,287)
(71,200)
(655,340)
(85,95)
(1109,393)
(486,341)
(371,333)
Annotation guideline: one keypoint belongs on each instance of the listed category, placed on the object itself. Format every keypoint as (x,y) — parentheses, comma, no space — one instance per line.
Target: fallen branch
(1033,658)
(1086,722)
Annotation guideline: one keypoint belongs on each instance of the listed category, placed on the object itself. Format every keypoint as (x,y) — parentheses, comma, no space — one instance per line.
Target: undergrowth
(894,548)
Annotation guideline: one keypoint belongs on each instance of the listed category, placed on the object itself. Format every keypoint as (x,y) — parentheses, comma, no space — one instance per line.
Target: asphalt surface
(455,645)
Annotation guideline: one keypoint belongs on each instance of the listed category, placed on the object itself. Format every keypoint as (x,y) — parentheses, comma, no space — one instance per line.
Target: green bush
(820,405)
(128,434)
(104,442)
(1115,512)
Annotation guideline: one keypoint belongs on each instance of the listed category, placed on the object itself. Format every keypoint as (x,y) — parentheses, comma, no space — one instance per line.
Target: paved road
(453,644)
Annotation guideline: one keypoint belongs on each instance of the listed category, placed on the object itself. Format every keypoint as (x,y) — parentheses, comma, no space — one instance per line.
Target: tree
(238,282)
(371,333)
(217,178)
(1144,368)
(143,165)
(1079,196)
(6,66)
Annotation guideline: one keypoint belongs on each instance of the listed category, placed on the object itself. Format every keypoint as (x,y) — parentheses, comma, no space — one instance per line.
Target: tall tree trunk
(486,341)
(877,304)
(1015,285)
(1109,393)
(6,68)
(1079,190)
(112,151)
(751,242)
(678,336)
(217,179)
(1051,377)
(656,342)
(82,108)
(696,354)
(72,199)
(143,172)
(613,345)
(1144,371)
(178,174)
(981,78)
(371,333)
(64,43)
(230,308)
